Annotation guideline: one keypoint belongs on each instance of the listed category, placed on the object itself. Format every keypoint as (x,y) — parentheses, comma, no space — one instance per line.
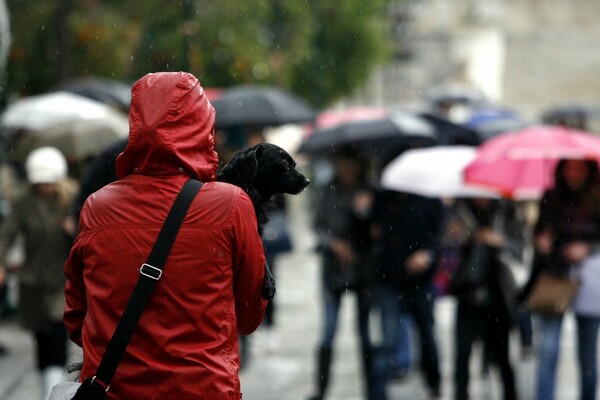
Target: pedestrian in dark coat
(406,228)
(489,234)
(341,224)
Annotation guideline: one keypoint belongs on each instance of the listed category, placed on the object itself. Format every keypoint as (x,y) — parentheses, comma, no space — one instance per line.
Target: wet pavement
(281,363)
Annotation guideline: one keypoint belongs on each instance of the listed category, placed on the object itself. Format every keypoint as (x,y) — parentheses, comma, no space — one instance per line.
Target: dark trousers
(393,304)
(51,346)
(492,328)
(331,309)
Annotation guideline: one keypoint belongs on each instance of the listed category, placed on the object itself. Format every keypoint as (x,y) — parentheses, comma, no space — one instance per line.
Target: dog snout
(303,182)
(306,182)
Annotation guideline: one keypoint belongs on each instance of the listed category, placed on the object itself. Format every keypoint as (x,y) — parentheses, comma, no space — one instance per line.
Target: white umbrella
(433,172)
(76,139)
(48,110)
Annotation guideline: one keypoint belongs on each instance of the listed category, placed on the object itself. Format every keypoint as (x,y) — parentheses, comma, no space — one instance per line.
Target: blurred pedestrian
(40,219)
(341,225)
(489,234)
(405,229)
(566,236)
(100,173)
(186,342)
(276,241)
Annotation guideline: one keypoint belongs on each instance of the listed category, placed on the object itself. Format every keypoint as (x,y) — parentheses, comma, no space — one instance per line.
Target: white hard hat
(45,165)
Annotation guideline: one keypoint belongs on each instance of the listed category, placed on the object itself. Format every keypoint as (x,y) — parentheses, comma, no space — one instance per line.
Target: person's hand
(418,262)
(575,252)
(543,243)
(2,275)
(69,225)
(362,203)
(342,251)
(489,237)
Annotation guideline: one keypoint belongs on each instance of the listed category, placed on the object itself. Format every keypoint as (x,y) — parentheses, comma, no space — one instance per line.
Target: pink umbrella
(335,117)
(330,118)
(521,164)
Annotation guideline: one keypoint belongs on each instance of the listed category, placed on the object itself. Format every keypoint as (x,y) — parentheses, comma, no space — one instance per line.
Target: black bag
(276,237)
(471,277)
(90,390)
(344,278)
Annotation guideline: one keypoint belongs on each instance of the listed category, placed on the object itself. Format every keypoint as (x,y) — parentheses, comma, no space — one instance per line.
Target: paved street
(281,366)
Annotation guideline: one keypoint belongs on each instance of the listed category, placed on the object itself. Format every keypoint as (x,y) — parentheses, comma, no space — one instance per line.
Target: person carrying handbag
(488,234)
(565,237)
(185,344)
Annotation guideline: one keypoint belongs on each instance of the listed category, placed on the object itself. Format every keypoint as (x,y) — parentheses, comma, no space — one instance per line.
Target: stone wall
(548,52)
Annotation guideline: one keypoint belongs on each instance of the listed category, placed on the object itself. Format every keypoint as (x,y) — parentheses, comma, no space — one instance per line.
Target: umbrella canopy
(47,110)
(260,106)
(521,164)
(112,92)
(351,114)
(489,122)
(384,135)
(433,172)
(76,139)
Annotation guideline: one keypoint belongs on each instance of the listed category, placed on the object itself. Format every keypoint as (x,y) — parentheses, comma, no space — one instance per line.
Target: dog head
(266,168)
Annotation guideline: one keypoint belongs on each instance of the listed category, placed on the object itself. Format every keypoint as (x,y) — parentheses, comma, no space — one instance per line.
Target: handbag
(344,278)
(470,278)
(276,237)
(551,294)
(96,387)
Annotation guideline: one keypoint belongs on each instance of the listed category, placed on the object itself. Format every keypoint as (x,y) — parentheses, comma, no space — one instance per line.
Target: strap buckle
(150,271)
(99,384)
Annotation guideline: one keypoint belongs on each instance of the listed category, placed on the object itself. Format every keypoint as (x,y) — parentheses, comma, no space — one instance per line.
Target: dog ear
(242,168)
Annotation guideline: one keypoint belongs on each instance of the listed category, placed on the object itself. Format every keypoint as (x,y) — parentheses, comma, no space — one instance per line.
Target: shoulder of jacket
(225,189)
(226,192)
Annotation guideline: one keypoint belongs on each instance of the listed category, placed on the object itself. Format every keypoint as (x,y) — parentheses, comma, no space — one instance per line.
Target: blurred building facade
(527,54)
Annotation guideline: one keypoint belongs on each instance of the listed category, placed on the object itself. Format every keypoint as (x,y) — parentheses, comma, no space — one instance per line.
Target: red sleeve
(76,306)
(249,267)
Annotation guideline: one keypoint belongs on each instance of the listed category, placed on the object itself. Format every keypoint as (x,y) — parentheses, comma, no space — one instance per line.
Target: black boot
(324,363)
(368,364)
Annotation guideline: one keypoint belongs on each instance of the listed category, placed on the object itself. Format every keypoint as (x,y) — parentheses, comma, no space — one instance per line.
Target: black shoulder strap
(150,273)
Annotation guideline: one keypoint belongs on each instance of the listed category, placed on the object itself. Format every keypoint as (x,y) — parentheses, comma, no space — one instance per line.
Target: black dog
(263,171)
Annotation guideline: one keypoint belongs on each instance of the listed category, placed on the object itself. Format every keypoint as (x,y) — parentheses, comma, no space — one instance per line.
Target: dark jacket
(406,223)
(186,343)
(568,216)
(100,173)
(335,218)
(484,278)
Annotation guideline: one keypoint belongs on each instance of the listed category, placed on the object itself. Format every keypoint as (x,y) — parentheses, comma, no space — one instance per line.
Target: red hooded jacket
(186,343)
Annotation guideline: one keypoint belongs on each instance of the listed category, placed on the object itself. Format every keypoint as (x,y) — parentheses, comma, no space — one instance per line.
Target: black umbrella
(578,116)
(260,106)
(383,136)
(108,91)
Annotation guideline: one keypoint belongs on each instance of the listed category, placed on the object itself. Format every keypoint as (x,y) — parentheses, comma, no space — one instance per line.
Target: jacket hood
(171,129)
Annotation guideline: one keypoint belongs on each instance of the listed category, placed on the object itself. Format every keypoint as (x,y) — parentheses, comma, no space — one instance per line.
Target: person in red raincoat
(186,343)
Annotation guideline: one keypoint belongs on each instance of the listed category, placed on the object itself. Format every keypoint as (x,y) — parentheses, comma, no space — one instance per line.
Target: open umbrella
(47,110)
(351,114)
(385,135)
(433,172)
(374,137)
(260,106)
(521,164)
(489,122)
(76,139)
(105,90)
